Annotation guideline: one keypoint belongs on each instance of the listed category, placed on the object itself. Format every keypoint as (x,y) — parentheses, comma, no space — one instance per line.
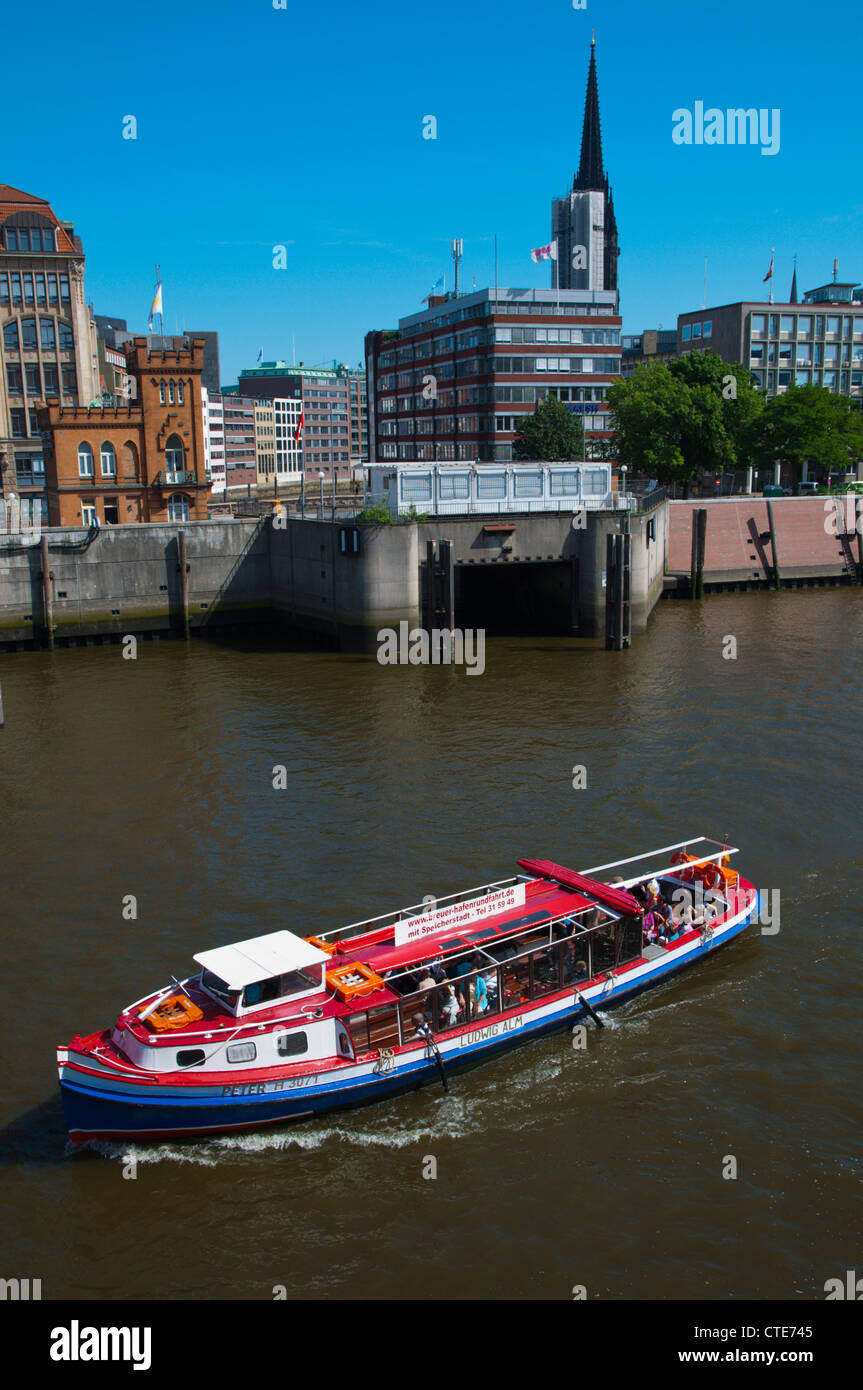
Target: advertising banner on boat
(459,914)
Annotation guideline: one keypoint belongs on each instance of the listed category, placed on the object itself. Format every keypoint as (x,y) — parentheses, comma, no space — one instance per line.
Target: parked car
(774,490)
(807,489)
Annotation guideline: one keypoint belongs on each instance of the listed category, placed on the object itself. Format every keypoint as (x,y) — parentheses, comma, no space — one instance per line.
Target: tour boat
(281,1027)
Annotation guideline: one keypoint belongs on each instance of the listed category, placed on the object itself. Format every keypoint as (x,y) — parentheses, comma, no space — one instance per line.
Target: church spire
(793,299)
(590,173)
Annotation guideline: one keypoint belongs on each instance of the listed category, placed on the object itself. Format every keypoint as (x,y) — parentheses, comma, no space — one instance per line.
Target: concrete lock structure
(343,579)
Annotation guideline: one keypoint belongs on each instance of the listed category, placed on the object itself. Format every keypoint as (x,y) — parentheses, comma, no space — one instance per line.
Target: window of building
(70,379)
(686,332)
(696,330)
(786,323)
(34,379)
(40,287)
(89,515)
(108,460)
(491,485)
(178,507)
(454,487)
(10,336)
(67,337)
(64,288)
(28,287)
(4,289)
(707,329)
(832,324)
(112,513)
(170,393)
(18,421)
(175,458)
(28,334)
(52,289)
(13,379)
(85,460)
(180,395)
(528,484)
(52,386)
(759,324)
(47,336)
(15,283)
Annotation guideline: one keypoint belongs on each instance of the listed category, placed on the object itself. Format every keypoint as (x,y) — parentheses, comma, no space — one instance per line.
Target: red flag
(770,271)
(298,431)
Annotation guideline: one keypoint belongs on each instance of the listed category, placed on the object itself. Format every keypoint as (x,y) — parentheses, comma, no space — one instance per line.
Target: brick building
(139,462)
(47,336)
(453,381)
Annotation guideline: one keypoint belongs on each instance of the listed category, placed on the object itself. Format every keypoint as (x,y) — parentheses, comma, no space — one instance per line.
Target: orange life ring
(351,981)
(709,875)
(322,945)
(174,1012)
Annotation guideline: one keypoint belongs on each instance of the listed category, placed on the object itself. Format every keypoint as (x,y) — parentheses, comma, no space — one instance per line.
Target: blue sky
(303,127)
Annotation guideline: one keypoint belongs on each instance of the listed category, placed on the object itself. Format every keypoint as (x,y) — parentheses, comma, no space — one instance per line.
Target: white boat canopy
(260,958)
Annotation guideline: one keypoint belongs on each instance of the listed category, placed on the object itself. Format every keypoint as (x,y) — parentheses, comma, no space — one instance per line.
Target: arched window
(85,461)
(129,458)
(175,458)
(161,393)
(108,460)
(178,507)
(170,393)
(180,395)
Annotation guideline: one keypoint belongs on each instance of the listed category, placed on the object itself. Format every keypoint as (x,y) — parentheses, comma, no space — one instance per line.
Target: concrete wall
(126,579)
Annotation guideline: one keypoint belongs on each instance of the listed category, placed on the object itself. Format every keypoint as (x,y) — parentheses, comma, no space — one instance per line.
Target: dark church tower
(583,222)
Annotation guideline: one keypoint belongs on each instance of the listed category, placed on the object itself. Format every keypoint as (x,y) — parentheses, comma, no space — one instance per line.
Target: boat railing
(713,856)
(418,909)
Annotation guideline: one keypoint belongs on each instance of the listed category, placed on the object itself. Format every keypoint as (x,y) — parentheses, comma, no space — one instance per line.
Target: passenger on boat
(427,981)
(450,1007)
(478,990)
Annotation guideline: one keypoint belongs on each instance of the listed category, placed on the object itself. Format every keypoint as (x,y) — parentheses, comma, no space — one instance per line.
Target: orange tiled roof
(15,200)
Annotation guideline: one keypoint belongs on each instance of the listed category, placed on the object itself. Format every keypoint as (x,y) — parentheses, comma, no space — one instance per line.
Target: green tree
(551,433)
(809,424)
(694,412)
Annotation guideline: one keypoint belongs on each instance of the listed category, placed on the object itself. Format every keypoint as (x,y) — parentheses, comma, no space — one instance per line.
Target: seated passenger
(479,991)
(449,1008)
(427,980)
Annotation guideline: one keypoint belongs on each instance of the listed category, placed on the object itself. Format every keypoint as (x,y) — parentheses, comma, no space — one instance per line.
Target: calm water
(555,1167)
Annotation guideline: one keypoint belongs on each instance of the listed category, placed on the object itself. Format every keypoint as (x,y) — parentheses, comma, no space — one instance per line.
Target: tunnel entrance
(518,598)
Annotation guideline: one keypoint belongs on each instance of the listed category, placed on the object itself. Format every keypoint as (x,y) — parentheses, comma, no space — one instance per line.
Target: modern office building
(816,343)
(47,337)
(332,402)
(214,438)
(277,439)
(143,461)
(238,414)
(452,381)
(653,345)
(582,221)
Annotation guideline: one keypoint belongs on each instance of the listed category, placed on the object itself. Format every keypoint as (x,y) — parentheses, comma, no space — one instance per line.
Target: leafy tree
(674,418)
(552,433)
(809,424)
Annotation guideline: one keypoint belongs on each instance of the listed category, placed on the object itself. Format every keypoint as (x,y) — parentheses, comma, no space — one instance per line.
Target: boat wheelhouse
(279,1027)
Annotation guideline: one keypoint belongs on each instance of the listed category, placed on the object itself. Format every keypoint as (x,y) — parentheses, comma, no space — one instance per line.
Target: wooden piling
(47,597)
(183,568)
(2,716)
(777,581)
(700,548)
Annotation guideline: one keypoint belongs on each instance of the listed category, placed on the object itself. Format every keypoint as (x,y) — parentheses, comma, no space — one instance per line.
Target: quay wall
(310,574)
(738,547)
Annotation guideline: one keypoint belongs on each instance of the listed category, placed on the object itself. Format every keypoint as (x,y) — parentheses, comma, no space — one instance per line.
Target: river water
(555,1167)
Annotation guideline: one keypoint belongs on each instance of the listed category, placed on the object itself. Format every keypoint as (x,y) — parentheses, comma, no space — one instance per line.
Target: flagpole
(772,261)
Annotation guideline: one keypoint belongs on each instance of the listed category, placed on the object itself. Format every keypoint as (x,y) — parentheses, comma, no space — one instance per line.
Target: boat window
(481,935)
(242,1052)
(192,1057)
(292,1044)
(628,939)
(278,986)
(219,988)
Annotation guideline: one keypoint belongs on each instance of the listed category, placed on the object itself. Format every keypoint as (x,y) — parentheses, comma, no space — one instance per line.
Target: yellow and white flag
(156,307)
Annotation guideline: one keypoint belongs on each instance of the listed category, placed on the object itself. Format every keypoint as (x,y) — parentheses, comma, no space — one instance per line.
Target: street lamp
(623,481)
(321,476)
